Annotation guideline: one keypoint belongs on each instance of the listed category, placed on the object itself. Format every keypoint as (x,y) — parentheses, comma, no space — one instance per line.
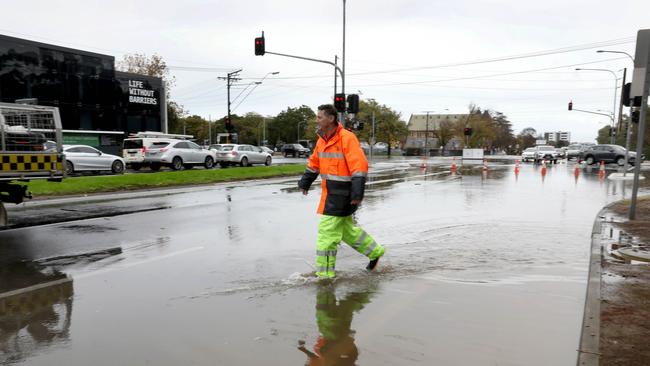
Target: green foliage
(288,125)
(389,127)
(112,183)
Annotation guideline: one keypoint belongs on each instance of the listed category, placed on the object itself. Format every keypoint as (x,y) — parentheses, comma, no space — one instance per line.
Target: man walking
(343,167)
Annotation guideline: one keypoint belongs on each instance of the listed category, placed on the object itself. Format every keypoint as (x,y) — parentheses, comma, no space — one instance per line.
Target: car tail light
(164,149)
(144,149)
(233,153)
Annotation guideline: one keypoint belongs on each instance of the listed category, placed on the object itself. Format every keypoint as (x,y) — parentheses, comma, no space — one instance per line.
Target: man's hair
(328,109)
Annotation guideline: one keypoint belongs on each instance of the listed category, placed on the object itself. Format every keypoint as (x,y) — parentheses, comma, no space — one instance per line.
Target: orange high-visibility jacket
(343,168)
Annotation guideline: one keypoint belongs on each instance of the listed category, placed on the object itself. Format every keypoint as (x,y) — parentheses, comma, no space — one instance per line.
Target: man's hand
(355,202)
(305,191)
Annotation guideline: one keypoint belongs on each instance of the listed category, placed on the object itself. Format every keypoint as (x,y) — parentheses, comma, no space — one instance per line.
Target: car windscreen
(530,149)
(132,144)
(226,147)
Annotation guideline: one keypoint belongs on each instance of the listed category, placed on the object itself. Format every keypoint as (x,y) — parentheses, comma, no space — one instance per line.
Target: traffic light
(636,115)
(229,126)
(571,106)
(259,46)
(468,131)
(353,103)
(625,95)
(610,130)
(339,102)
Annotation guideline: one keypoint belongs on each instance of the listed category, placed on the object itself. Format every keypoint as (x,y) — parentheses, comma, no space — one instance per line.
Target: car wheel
(223,165)
(286,155)
(155,167)
(209,163)
(69,168)
(620,161)
(267,162)
(244,161)
(590,160)
(136,167)
(177,163)
(117,167)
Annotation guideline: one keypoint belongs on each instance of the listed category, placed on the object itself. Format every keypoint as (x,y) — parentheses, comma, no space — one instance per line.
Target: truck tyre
(3,215)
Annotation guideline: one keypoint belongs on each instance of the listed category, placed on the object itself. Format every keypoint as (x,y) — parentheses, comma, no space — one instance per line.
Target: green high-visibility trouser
(333,229)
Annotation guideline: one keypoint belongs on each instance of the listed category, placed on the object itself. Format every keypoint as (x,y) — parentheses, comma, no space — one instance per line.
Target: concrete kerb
(589,347)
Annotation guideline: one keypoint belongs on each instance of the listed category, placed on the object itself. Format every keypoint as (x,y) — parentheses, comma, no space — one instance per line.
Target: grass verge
(135,181)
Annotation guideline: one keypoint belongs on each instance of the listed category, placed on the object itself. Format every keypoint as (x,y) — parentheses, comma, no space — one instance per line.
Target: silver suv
(545,152)
(243,155)
(178,154)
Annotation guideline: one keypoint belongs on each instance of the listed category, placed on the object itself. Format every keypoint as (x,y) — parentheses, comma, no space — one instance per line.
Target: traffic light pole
(639,142)
(230,77)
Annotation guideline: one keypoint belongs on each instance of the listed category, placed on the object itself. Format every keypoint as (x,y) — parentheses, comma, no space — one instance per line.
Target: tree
(526,138)
(389,127)
(288,124)
(483,132)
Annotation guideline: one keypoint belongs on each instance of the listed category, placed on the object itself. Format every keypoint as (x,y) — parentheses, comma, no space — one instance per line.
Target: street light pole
(613,137)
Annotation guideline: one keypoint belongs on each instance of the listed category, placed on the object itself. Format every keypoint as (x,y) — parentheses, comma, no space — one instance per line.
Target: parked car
(214,147)
(545,152)
(574,151)
(608,154)
(295,150)
(266,149)
(561,153)
(86,158)
(134,150)
(528,154)
(243,155)
(178,154)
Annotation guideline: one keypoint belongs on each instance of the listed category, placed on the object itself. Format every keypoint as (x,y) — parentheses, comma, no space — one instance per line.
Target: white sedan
(85,158)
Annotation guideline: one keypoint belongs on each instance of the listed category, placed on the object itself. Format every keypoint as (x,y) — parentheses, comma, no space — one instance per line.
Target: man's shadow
(335,344)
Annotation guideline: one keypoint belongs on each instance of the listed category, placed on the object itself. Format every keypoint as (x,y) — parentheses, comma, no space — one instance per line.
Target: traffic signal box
(259,46)
(339,102)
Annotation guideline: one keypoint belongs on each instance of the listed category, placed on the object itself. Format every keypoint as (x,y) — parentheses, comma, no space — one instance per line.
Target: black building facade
(99,106)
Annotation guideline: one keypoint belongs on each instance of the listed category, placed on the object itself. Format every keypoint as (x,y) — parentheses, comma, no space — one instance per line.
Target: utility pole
(209,130)
(230,78)
(336,60)
(426,135)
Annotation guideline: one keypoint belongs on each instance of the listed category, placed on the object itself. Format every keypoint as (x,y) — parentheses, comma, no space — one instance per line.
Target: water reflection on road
(482,268)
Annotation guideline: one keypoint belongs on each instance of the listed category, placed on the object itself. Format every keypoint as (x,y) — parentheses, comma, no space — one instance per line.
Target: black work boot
(372,264)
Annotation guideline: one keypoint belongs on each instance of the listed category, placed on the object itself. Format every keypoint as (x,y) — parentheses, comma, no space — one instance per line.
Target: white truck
(30,148)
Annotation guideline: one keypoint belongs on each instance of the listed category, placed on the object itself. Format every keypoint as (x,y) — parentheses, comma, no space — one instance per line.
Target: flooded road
(480,270)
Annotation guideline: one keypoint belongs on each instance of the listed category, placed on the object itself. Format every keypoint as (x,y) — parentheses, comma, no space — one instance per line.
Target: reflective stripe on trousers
(334,229)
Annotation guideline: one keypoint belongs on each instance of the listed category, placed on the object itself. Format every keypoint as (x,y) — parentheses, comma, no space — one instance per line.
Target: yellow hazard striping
(30,162)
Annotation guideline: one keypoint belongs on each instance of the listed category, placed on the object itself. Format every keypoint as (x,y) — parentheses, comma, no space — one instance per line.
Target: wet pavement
(480,269)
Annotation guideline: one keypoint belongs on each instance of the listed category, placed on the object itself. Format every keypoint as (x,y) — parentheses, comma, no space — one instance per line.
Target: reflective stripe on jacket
(343,168)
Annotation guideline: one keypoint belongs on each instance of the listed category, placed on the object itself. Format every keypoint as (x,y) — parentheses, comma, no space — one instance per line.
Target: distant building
(422,130)
(554,137)
(99,105)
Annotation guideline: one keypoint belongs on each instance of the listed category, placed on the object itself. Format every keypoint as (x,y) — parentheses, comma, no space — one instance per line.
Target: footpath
(616,324)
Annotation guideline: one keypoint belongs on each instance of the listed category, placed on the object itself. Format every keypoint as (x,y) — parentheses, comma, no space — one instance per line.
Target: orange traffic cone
(453,166)
(601,171)
(485,168)
(543,168)
(516,166)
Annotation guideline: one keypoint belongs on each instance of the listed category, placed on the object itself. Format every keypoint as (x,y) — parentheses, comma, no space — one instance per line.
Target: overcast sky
(410,55)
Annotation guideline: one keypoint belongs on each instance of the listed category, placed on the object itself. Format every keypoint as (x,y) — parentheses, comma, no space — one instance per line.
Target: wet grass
(127,182)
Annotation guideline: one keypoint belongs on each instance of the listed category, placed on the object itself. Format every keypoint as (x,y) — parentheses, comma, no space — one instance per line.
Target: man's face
(323,120)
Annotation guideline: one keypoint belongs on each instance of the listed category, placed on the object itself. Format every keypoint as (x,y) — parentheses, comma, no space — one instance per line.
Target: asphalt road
(480,269)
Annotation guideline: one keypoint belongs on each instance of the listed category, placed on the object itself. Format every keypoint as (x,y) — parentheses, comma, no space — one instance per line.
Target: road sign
(640,63)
